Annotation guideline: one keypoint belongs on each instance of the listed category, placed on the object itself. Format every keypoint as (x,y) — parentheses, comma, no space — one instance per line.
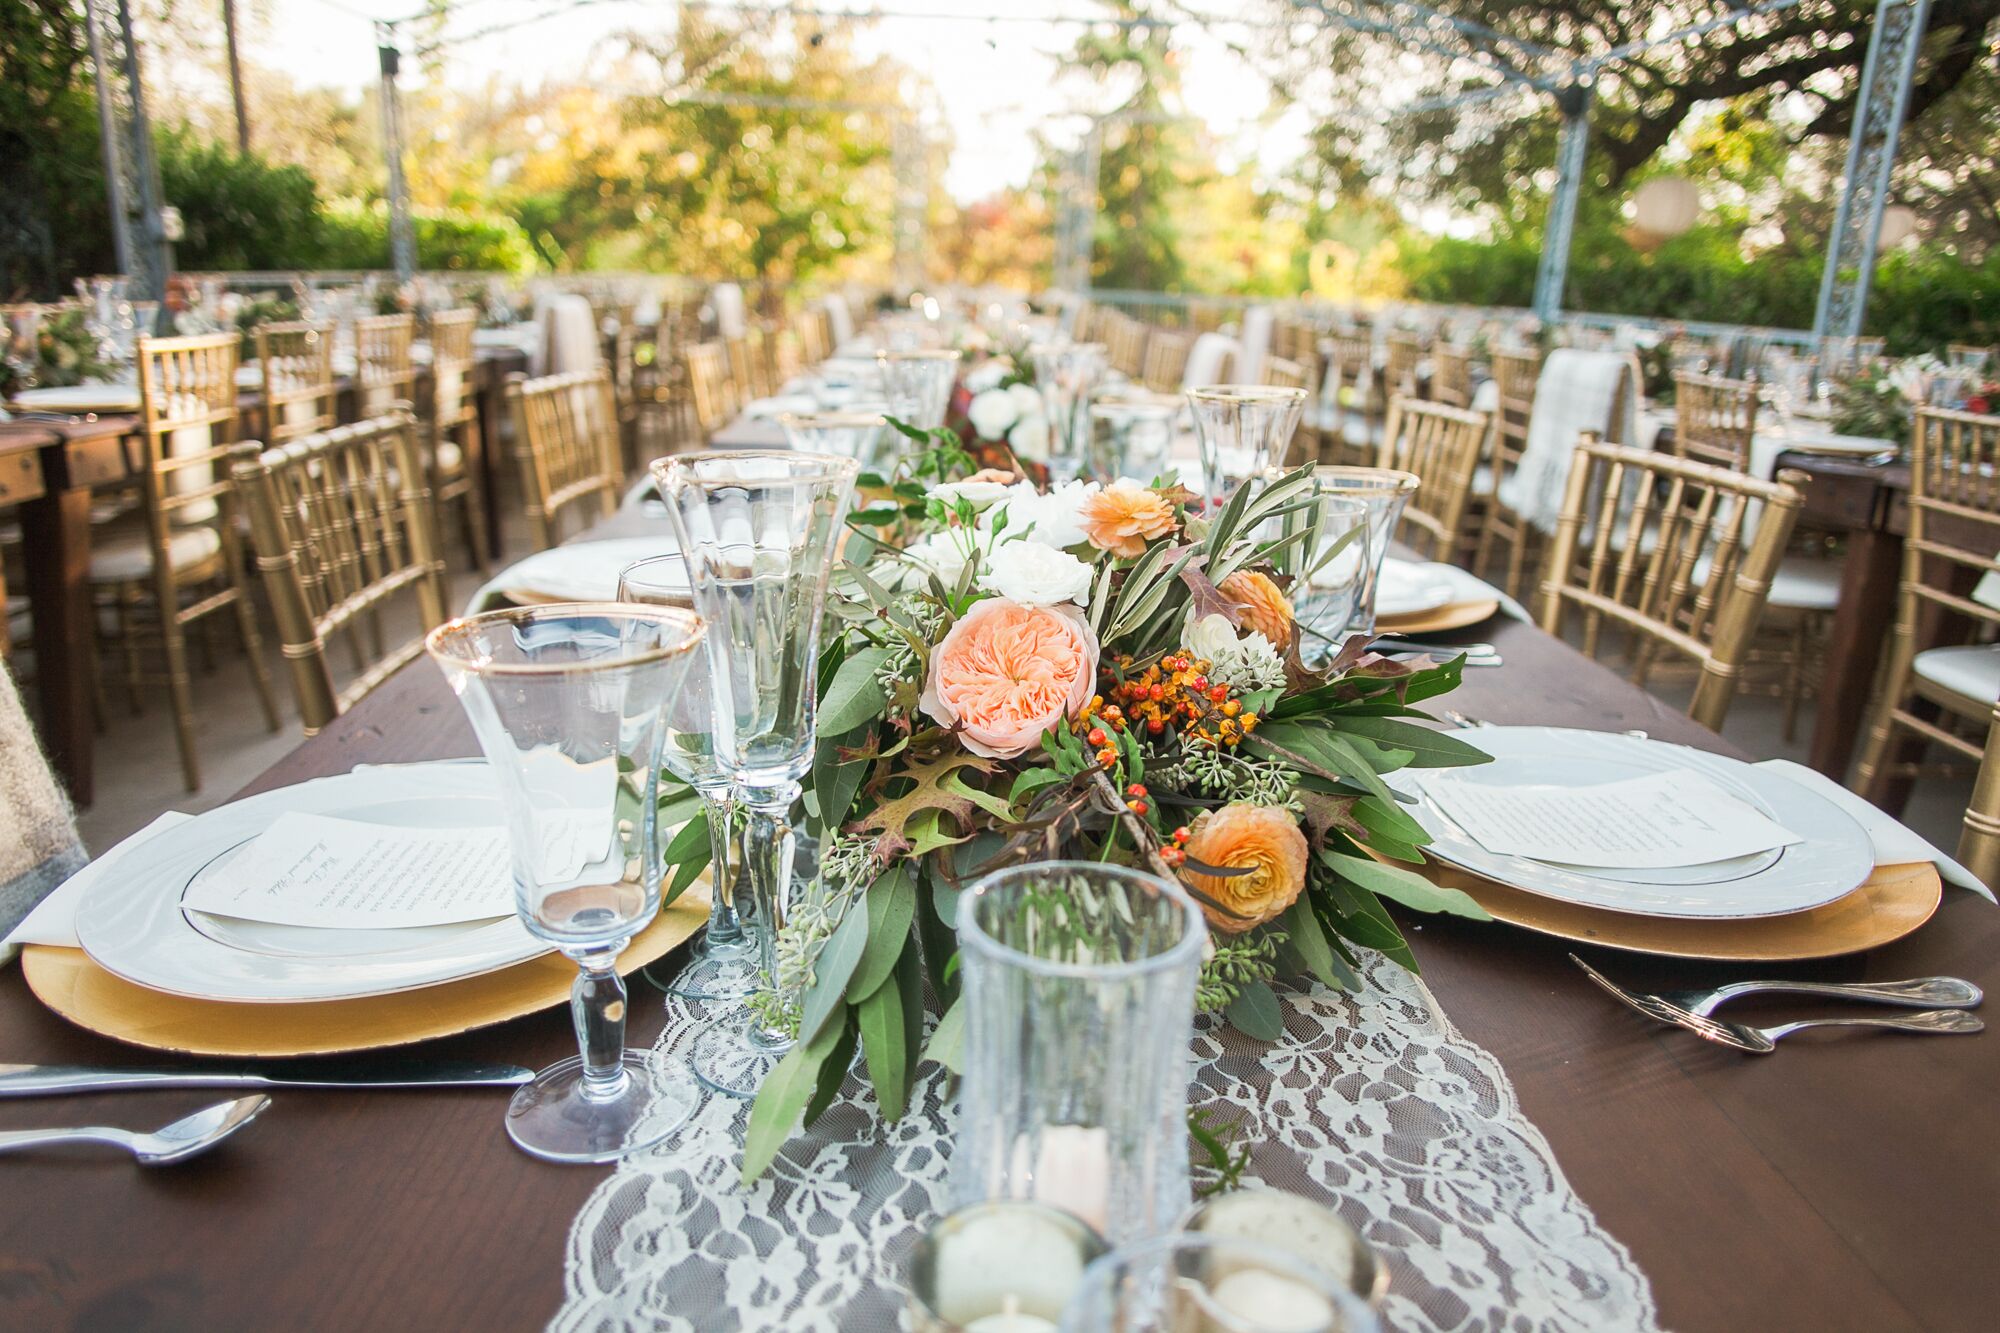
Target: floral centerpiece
(1879,400)
(1093,672)
(64,352)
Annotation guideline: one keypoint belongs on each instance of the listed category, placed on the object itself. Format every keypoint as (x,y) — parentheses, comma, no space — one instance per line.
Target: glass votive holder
(1311,1232)
(1383,492)
(1079,981)
(1006,1266)
(1188,1283)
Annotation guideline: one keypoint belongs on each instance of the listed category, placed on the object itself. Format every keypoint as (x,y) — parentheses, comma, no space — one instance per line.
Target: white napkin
(1894,844)
(53,920)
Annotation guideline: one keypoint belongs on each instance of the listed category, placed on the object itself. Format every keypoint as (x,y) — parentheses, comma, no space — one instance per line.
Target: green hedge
(356,235)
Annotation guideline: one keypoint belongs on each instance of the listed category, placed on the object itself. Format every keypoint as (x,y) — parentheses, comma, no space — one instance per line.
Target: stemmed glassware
(1067,374)
(1243,430)
(918,384)
(569,703)
(1332,577)
(723,964)
(759,532)
(850,434)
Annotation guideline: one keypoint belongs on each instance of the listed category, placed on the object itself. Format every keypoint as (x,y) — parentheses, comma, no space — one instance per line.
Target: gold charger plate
(1452,615)
(1890,903)
(69,983)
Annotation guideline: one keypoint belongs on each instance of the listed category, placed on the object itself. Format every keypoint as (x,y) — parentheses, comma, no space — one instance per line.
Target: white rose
(1035,575)
(991,413)
(1027,399)
(944,554)
(983,377)
(978,494)
(1030,438)
(1053,519)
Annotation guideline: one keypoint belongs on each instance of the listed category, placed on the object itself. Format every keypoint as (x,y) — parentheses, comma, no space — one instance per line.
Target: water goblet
(1242,430)
(568,702)
(1334,569)
(918,384)
(723,962)
(1132,435)
(1382,492)
(1067,374)
(759,532)
(1216,1284)
(850,434)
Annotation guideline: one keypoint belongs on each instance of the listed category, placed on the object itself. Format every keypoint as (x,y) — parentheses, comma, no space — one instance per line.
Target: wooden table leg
(492,402)
(1861,625)
(55,532)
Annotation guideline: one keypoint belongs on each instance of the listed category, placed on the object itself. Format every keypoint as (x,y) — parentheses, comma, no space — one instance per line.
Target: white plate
(580,571)
(1834,857)
(80,398)
(1407,588)
(135,925)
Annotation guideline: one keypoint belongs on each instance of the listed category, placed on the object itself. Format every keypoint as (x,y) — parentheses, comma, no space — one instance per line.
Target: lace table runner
(1378,1103)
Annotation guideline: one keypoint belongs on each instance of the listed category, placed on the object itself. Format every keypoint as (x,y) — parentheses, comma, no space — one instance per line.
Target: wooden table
(1846,1183)
(52,496)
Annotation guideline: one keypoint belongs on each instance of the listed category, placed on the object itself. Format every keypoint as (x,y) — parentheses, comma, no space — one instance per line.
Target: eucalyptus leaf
(832,970)
(890,903)
(1431,749)
(1405,886)
(782,1100)
(947,1043)
(833,1070)
(854,696)
(1309,942)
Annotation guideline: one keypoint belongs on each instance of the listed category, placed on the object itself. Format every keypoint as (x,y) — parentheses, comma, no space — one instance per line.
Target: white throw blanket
(1256,350)
(1209,360)
(569,336)
(1577,392)
(840,318)
(727,300)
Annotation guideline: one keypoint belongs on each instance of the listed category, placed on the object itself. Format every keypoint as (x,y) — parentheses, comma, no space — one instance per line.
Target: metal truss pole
(1879,105)
(402,234)
(1571,157)
(912,199)
(131,172)
(1076,223)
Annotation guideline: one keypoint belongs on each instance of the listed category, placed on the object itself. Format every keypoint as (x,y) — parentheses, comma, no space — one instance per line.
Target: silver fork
(1920,993)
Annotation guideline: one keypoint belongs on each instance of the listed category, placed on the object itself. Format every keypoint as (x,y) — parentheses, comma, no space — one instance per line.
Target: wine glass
(723,962)
(1333,573)
(918,384)
(1383,492)
(1067,374)
(1242,430)
(568,701)
(850,434)
(759,532)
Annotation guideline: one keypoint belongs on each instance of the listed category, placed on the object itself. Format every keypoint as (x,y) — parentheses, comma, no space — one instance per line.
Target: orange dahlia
(1124,516)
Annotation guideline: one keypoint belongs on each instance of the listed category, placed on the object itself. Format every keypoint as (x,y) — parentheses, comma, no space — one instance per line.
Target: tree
(53,223)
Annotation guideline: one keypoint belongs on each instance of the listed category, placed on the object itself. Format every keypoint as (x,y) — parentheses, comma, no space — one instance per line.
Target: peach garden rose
(1006,673)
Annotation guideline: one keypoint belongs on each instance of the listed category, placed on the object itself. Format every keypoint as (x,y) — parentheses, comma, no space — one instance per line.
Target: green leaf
(854,696)
(1405,886)
(835,783)
(884,1021)
(947,1043)
(689,853)
(1031,781)
(833,1070)
(1307,940)
(1432,749)
(890,903)
(782,1100)
(1255,1012)
(832,970)
(1387,819)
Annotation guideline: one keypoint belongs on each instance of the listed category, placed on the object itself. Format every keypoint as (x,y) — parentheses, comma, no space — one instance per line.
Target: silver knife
(48,1080)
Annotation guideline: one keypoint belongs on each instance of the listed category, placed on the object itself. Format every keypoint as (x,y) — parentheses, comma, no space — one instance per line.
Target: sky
(994,76)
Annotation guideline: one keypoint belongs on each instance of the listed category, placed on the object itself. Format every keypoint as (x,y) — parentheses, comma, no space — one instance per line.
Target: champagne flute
(568,702)
(723,962)
(759,532)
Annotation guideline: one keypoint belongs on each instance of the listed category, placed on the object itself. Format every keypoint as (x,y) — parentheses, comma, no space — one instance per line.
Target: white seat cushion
(1972,670)
(127,556)
(1806,583)
(450,458)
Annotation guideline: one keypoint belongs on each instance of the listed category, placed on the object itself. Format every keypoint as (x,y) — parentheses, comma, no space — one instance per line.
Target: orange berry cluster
(1175,852)
(1174,691)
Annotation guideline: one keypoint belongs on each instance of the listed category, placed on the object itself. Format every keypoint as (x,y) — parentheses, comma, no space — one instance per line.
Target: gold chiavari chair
(1441,446)
(1166,360)
(566,440)
(1954,533)
(183,560)
(747,366)
(1350,369)
(810,336)
(1979,839)
(342,525)
(1125,344)
(296,361)
(1515,375)
(1657,546)
(781,356)
(383,371)
(1714,418)
(451,430)
(711,388)
(1451,375)
(1399,376)
(1283,373)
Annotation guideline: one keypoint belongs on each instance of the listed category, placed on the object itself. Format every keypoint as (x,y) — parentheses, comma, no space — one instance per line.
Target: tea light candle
(1271,1303)
(1011,1319)
(1071,1171)
(1005,1266)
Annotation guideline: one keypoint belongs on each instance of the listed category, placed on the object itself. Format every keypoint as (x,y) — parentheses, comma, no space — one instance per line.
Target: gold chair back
(1714,419)
(711,387)
(811,337)
(383,371)
(748,367)
(1400,374)
(296,361)
(1979,839)
(566,440)
(1125,343)
(1451,375)
(342,525)
(1166,360)
(1515,375)
(1662,548)
(1441,446)
(1350,388)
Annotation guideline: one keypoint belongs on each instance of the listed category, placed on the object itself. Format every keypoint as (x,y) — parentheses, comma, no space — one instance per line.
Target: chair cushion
(1972,670)
(1806,583)
(450,458)
(127,556)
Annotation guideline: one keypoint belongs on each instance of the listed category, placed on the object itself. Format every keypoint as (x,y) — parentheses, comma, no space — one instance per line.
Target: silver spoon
(185,1138)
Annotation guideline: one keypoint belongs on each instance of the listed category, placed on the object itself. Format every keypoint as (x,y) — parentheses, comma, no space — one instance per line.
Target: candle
(1000,1267)
(1011,1319)
(1270,1303)
(1071,1171)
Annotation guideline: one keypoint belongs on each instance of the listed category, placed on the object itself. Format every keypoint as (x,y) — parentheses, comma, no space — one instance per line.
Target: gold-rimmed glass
(1383,492)
(918,384)
(1242,431)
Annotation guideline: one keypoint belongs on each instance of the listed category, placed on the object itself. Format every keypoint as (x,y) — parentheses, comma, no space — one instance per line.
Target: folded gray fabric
(39,848)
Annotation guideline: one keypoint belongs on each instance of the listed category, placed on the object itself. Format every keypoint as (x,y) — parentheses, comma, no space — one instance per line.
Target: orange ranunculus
(1265,841)
(1260,604)
(1124,516)
(1006,673)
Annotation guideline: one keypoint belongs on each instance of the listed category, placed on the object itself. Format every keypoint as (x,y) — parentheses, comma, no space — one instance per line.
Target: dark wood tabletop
(1846,1183)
